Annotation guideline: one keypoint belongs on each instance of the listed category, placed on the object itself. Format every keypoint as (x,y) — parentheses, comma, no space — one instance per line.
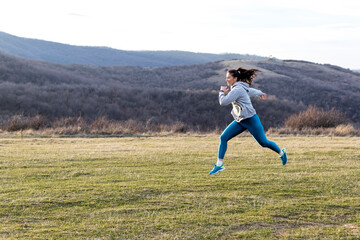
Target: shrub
(70,125)
(100,124)
(315,117)
(179,127)
(37,122)
(16,123)
(345,130)
(20,122)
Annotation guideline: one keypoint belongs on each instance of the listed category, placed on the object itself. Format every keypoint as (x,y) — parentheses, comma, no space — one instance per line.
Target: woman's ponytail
(247,75)
(244,75)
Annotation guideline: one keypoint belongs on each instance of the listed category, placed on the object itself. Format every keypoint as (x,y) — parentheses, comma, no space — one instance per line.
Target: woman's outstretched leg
(256,129)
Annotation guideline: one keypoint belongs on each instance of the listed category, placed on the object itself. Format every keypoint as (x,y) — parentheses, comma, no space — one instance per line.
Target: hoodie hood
(245,85)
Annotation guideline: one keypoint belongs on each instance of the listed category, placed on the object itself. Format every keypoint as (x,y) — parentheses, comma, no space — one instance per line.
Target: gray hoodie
(239,97)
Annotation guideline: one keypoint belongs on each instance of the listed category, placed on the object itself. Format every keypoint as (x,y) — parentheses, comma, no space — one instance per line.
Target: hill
(104,56)
(168,95)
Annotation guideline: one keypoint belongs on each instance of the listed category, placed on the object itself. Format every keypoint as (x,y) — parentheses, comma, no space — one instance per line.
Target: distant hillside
(103,56)
(167,95)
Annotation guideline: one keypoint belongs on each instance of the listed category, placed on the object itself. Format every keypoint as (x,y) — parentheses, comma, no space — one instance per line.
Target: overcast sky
(323,31)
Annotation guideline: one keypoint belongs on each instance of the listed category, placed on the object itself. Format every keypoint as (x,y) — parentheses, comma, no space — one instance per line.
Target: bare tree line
(168,95)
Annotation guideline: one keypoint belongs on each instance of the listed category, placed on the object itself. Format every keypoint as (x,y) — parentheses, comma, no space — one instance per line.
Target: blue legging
(256,129)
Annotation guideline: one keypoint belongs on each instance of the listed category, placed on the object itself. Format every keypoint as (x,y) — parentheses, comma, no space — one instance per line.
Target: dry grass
(311,122)
(100,126)
(159,188)
(340,130)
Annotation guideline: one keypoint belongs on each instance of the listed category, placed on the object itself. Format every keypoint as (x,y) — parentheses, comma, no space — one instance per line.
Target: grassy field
(159,188)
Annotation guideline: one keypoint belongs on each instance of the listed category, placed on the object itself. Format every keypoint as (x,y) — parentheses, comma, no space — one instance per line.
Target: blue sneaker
(283,157)
(217,169)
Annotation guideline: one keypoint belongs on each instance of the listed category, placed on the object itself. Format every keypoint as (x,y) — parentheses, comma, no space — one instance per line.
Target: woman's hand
(264,96)
(225,89)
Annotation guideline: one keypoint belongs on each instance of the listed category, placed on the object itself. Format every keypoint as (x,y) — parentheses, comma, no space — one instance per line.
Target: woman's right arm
(231,96)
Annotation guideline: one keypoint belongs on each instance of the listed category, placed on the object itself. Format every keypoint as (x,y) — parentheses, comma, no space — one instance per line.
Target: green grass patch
(159,188)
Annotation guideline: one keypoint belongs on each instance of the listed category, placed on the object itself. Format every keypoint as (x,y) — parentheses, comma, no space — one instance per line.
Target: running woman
(244,114)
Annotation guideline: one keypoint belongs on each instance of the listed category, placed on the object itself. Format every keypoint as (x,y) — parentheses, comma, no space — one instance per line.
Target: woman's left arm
(253,91)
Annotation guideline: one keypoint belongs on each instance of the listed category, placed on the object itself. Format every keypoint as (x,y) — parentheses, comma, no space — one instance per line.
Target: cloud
(342,26)
(77,15)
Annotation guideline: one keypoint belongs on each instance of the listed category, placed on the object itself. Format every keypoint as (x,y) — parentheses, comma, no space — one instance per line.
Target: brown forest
(169,95)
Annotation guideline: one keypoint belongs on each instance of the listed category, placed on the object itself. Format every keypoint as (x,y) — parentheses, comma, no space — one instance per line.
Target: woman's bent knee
(224,138)
(264,144)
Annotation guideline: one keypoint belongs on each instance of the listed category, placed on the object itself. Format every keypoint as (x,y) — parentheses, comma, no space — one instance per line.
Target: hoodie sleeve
(253,91)
(231,96)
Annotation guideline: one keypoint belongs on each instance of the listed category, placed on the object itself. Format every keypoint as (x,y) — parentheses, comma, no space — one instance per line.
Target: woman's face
(230,79)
